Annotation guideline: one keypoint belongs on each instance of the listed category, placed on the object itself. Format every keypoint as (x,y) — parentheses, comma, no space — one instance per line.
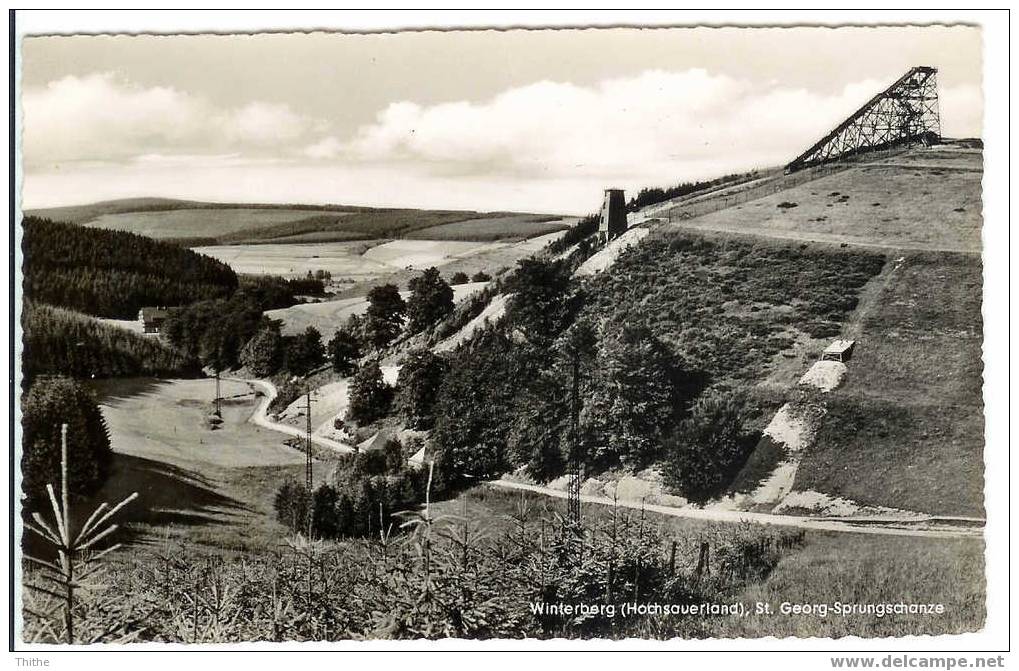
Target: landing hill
(905,428)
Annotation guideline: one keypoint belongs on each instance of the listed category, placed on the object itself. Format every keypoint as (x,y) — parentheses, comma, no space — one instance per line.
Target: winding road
(260,417)
(915,525)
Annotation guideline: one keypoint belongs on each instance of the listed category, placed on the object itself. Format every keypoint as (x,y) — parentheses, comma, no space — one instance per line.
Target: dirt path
(260,417)
(919,525)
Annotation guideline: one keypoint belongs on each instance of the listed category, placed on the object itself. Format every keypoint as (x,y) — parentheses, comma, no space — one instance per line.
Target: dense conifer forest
(113,273)
(62,342)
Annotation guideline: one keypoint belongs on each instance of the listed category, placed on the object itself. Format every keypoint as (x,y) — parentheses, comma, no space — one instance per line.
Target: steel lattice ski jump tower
(904,113)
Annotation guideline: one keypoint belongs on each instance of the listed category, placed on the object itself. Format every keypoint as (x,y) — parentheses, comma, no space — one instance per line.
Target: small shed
(152,319)
(839,350)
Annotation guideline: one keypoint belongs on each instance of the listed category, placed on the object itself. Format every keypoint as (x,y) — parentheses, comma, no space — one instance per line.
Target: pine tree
(50,402)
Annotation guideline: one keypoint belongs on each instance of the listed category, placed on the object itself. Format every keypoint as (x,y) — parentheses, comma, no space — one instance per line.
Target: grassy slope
(906,428)
(730,305)
(918,199)
(214,488)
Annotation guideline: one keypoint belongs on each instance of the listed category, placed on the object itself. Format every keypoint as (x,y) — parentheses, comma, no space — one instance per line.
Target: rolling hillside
(196,223)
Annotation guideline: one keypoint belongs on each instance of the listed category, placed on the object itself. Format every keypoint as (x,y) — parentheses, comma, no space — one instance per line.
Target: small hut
(152,319)
(840,350)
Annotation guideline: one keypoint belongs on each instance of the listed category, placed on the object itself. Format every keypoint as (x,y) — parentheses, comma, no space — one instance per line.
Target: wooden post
(704,560)
(672,560)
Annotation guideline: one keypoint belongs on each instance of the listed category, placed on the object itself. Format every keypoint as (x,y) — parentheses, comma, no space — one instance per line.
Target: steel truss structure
(905,112)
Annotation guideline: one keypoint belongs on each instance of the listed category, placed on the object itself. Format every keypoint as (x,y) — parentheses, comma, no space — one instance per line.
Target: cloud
(101,118)
(547,146)
(656,125)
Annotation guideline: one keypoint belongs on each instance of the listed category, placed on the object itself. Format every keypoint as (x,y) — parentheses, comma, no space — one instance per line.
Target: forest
(62,342)
(114,273)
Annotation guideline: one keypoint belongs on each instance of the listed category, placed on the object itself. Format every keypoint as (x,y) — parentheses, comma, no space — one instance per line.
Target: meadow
(202,222)
(506,228)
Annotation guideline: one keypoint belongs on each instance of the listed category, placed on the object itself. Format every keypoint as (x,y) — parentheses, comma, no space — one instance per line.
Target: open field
(341,259)
(421,254)
(906,428)
(237,223)
(368,261)
(201,223)
(208,487)
(511,228)
(925,199)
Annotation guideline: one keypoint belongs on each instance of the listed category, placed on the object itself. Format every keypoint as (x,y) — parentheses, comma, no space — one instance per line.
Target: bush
(49,403)
(708,447)
(481,276)
(459,277)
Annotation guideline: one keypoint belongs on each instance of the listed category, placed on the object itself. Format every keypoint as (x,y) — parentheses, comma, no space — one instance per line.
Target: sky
(526,120)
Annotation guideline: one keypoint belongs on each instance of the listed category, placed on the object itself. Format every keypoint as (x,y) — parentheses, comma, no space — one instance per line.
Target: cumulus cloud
(101,118)
(546,146)
(673,124)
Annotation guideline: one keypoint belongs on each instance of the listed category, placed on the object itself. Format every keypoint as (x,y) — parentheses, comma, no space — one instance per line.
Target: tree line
(652,195)
(62,342)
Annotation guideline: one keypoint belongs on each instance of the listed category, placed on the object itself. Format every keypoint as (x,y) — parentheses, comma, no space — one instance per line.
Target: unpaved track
(260,417)
(923,526)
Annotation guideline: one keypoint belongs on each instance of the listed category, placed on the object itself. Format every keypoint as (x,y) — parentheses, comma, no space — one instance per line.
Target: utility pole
(308,468)
(576,463)
(307,440)
(219,408)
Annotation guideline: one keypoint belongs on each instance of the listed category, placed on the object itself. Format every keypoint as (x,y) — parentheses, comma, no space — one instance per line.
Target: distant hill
(114,273)
(194,223)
